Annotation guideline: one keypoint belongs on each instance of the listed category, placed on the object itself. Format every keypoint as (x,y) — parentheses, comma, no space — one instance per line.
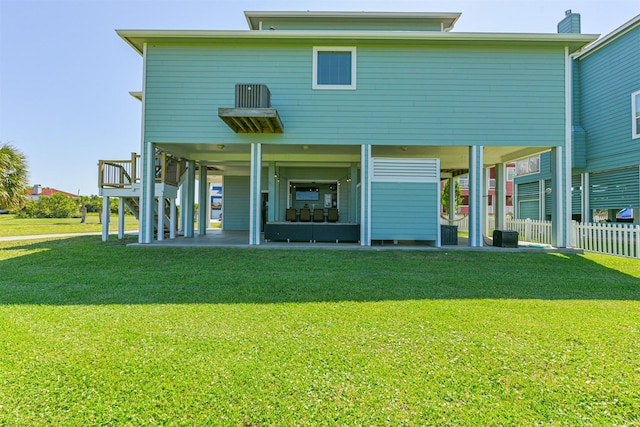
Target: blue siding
(404,211)
(608,78)
(236,203)
(615,189)
(426,94)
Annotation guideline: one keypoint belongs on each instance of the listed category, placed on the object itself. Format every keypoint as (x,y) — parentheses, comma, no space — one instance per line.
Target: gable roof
(605,40)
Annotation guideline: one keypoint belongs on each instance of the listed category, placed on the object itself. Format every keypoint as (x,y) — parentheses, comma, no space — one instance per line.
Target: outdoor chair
(318,215)
(332,215)
(305,215)
(292,215)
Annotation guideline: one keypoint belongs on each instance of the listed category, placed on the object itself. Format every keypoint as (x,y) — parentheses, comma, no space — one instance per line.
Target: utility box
(448,234)
(505,238)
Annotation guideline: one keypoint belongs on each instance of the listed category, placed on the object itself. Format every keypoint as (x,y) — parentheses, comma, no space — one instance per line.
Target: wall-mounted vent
(405,170)
(252,96)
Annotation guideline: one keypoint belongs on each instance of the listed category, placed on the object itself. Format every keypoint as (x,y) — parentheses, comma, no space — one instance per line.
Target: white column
(203,195)
(255,194)
(365,195)
(586,209)
(172,219)
(121,218)
(500,202)
(452,201)
(189,188)
(560,216)
(160,217)
(353,193)
(147,199)
(476,191)
(105,218)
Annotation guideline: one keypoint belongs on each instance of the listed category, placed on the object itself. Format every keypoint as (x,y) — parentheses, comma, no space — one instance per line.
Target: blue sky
(65,74)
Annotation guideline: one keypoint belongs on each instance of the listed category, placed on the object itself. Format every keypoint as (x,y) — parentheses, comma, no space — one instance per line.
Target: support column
(485,197)
(273,178)
(121,218)
(452,201)
(190,189)
(203,195)
(172,218)
(147,198)
(476,191)
(584,194)
(160,218)
(105,218)
(500,202)
(353,193)
(365,195)
(561,197)
(255,219)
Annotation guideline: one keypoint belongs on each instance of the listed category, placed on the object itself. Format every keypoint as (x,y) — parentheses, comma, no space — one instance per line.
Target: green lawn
(12,226)
(96,333)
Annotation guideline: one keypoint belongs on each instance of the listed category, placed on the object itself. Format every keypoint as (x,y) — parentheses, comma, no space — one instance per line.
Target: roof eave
(253,17)
(137,38)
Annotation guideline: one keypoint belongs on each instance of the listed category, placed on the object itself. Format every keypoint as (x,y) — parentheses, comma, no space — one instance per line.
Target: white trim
(635,113)
(317,50)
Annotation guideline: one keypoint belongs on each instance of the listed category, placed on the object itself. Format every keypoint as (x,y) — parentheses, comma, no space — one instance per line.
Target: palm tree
(13,177)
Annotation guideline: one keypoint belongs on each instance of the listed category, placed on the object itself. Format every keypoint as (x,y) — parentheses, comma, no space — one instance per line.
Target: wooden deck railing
(124,173)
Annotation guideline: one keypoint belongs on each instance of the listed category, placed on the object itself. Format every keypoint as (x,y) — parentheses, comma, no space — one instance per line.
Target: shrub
(56,206)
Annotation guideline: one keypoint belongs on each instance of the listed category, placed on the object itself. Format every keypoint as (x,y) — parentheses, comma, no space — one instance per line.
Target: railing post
(527,229)
(134,167)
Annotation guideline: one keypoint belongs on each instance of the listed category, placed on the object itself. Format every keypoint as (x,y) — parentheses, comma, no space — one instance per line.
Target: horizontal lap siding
(405,95)
(236,203)
(404,211)
(608,78)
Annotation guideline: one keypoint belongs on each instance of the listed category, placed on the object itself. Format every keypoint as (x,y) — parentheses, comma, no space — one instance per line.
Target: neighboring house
(38,191)
(361,112)
(491,191)
(606,135)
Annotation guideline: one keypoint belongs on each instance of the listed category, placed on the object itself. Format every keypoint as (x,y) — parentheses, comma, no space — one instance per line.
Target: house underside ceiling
(234,159)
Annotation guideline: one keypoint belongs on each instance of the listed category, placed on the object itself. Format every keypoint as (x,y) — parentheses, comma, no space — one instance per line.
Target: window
(528,165)
(334,68)
(635,110)
(511,173)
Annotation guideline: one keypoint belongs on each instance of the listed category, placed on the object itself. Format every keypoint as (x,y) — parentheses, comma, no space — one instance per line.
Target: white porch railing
(616,239)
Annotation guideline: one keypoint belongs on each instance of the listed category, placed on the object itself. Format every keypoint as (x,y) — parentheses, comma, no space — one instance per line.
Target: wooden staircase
(120,177)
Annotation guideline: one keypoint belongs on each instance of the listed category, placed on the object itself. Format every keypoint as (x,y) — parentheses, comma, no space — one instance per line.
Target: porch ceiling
(228,159)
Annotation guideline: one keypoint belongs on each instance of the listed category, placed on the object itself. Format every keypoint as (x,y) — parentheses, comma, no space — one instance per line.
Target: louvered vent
(252,96)
(405,170)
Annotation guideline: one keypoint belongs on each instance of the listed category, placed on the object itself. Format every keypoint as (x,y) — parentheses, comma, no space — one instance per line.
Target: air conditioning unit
(251,95)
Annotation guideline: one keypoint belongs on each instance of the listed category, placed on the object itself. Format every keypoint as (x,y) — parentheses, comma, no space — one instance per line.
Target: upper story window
(635,108)
(511,173)
(334,68)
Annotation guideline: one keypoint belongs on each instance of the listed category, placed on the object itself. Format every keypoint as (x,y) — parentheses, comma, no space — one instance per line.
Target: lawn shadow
(84,270)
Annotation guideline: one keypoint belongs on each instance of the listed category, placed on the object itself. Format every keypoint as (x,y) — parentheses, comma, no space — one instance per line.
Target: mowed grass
(12,226)
(96,333)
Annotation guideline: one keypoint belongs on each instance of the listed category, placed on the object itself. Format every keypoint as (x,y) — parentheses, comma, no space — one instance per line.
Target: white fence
(617,239)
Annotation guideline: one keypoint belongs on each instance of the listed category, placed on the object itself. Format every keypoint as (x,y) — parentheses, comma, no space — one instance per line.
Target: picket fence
(617,239)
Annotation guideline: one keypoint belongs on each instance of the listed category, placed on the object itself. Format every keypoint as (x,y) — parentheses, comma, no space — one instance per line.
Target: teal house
(605,175)
(341,126)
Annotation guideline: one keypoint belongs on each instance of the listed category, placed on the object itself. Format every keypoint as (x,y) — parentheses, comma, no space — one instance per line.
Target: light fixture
(277,177)
(220,146)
